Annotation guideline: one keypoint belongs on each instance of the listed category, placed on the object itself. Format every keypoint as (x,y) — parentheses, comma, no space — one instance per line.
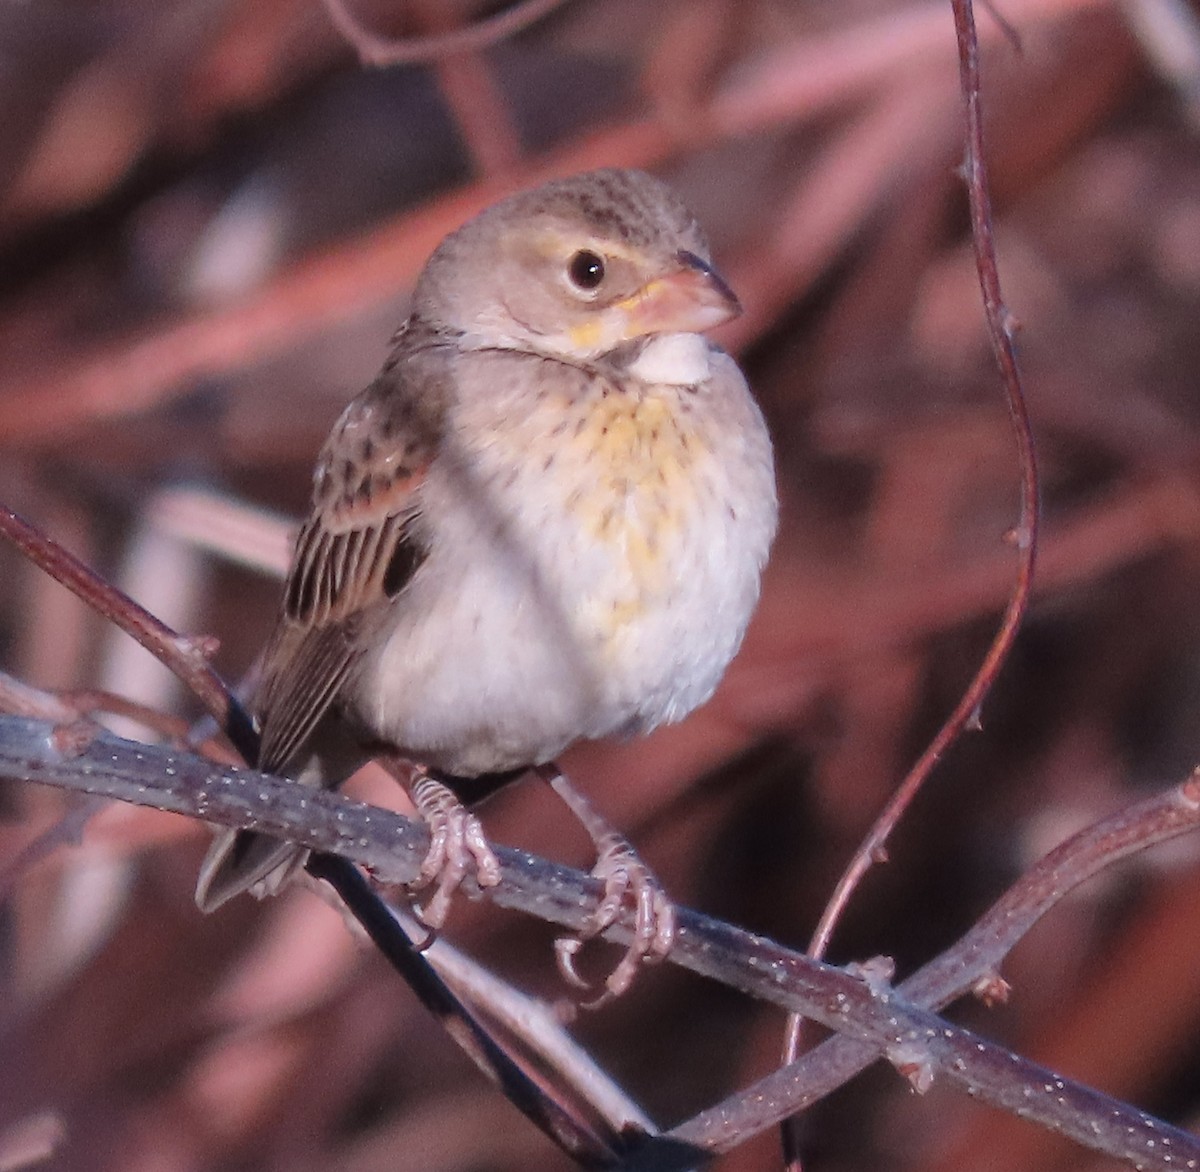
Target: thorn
(72,739)
(876,973)
(975,720)
(1190,789)
(992,989)
(914,1064)
(203,646)
(1019,536)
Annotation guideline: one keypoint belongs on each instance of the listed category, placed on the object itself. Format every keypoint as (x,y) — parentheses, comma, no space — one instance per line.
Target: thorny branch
(966,713)
(872,1017)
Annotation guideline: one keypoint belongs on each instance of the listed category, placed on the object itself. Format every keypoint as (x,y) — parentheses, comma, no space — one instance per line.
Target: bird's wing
(358,549)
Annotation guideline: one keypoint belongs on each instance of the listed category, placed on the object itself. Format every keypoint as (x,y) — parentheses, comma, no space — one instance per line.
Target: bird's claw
(627,881)
(457,847)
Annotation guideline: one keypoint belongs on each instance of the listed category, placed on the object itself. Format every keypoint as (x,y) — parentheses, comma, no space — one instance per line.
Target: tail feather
(240,860)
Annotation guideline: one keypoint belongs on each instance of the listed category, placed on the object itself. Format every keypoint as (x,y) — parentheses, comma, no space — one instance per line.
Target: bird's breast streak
(634,459)
(615,492)
(586,549)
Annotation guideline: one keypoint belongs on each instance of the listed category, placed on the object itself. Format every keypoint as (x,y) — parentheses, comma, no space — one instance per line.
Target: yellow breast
(611,491)
(636,496)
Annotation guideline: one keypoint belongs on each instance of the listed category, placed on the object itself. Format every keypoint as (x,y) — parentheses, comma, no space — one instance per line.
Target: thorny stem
(872,1017)
(186,658)
(873,848)
(969,966)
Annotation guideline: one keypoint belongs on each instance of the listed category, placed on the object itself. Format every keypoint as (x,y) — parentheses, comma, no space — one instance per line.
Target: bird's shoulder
(360,544)
(383,440)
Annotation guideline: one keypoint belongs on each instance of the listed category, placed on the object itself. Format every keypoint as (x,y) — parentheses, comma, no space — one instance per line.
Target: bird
(545,521)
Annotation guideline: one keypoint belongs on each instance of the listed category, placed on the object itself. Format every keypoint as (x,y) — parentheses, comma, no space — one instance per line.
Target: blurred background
(210,217)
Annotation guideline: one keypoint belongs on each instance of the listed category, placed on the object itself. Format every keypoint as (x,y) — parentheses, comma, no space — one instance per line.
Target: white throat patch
(674,360)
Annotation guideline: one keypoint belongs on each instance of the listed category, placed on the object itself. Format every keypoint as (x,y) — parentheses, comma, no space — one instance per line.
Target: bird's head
(575,269)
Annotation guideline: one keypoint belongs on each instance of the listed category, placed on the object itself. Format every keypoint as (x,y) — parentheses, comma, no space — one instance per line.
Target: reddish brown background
(210,215)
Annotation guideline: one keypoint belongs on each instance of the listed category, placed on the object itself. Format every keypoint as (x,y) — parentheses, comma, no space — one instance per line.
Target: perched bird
(545,520)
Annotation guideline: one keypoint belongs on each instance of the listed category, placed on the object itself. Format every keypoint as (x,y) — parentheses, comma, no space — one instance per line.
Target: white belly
(600,592)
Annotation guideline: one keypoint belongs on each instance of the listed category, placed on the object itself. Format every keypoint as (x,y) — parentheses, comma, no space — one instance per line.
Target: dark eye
(586,270)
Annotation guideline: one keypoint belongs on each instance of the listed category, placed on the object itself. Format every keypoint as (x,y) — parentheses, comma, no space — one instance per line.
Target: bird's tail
(243,860)
(240,860)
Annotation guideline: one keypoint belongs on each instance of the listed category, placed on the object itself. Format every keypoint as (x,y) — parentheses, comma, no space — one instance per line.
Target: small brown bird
(545,520)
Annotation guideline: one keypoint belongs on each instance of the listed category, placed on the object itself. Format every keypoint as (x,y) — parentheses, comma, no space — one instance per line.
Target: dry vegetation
(210,214)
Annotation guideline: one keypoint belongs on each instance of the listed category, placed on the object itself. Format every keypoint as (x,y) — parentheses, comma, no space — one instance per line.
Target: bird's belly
(603,592)
(507,668)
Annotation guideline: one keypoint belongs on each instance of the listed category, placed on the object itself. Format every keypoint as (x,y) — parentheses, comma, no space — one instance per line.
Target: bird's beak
(689,300)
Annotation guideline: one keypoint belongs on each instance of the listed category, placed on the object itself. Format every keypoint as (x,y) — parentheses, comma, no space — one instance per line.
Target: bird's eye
(586,270)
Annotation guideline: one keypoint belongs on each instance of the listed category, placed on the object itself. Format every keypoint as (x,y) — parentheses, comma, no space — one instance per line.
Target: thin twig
(187,658)
(91,701)
(18,699)
(966,713)
(1011,33)
(474,97)
(373,49)
(67,830)
(579,1141)
(539,1027)
(873,848)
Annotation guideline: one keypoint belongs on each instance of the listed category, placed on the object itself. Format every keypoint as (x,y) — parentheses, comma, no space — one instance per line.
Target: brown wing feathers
(294,700)
(357,550)
(335,574)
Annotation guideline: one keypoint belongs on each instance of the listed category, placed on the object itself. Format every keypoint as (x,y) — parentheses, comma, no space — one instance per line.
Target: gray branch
(923,1046)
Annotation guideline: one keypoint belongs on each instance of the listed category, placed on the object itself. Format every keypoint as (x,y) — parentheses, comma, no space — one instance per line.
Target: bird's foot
(457,847)
(628,883)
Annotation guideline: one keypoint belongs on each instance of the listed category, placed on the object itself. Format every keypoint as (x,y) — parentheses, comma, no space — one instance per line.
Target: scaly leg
(626,879)
(457,843)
